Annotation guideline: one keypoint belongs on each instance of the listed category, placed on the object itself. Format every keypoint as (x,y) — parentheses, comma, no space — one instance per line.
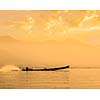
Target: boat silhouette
(44,69)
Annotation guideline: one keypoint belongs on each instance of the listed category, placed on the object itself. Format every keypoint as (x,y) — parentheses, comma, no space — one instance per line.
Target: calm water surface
(35,79)
(71,78)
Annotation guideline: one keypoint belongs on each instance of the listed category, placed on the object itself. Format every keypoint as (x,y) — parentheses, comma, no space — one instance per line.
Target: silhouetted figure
(26,68)
(45,69)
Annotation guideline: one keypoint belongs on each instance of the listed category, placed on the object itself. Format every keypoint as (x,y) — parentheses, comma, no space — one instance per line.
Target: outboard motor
(26,68)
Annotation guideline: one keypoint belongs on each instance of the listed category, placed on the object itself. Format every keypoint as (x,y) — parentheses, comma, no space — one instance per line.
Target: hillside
(64,52)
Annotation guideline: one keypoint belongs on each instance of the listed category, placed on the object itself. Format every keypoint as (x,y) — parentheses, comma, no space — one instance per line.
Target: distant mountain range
(7,39)
(50,52)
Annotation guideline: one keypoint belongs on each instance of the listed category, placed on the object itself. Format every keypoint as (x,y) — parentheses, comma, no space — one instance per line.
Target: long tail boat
(44,69)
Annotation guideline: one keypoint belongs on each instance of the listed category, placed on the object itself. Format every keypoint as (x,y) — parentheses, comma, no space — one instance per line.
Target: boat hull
(45,69)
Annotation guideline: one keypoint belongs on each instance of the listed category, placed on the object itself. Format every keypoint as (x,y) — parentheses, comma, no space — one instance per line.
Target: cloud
(41,25)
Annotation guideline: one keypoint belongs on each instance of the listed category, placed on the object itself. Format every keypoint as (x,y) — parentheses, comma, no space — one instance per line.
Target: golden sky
(70,37)
(41,25)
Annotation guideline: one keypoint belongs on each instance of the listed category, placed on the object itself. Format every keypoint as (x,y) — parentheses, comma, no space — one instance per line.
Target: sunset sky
(51,25)
(56,37)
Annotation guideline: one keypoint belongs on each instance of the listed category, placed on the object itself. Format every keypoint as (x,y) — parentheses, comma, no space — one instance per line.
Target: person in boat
(45,69)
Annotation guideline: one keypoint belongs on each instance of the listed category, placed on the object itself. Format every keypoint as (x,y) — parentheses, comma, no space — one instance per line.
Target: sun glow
(56,25)
(50,37)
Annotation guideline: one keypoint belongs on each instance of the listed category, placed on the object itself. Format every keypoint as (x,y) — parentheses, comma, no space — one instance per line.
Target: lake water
(64,79)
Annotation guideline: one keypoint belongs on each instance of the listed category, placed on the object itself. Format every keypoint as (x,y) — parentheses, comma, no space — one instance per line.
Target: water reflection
(57,79)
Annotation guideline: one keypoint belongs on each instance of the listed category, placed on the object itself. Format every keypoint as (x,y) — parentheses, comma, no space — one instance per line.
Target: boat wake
(7,68)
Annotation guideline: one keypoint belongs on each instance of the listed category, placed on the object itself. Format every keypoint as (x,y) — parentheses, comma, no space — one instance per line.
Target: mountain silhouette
(69,51)
(5,39)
